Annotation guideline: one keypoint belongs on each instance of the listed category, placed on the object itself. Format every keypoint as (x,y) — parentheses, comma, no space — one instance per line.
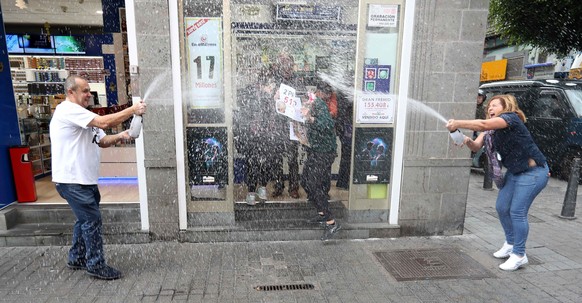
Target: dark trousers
(316,180)
(87,240)
(343,178)
(291,151)
(259,166)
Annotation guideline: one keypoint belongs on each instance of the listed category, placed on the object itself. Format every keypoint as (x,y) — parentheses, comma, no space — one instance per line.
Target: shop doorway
(43,50)
(259,131)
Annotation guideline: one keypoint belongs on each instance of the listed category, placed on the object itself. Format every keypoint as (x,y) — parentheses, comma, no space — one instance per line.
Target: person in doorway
(321,152)
(283,73)
(343,127)
(260,136)
(479,114)
(505,134)
(480,107)
(76,138)
(325,92)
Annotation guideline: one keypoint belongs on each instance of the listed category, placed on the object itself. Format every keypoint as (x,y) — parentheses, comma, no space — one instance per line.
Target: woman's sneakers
(504,252)
(514,262)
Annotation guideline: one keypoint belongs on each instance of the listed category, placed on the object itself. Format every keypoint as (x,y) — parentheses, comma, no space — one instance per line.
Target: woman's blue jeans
(87,247)
(513,204)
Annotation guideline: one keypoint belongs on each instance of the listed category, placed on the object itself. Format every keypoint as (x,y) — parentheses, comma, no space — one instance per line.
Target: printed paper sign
(204,36)
(375,108)
(288,104)
(298,132)
(383,15)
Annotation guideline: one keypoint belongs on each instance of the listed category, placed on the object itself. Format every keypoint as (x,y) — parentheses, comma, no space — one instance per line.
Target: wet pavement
(420,269)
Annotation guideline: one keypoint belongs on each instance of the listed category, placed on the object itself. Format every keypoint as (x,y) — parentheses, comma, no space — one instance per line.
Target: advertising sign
(373,155)
(375,108)
(493,70)
(304,12)
(13,44)
(383,15)
(207,156)
(204,36)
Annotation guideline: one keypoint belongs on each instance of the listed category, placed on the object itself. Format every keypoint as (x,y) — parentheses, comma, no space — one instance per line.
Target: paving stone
(346,271)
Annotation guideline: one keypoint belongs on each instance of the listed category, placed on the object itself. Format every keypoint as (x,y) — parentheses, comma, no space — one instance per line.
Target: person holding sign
(283,74)
(258,134)
(321,152)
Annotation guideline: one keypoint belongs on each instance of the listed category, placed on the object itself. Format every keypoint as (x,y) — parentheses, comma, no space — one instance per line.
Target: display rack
(35,133)
(38,83)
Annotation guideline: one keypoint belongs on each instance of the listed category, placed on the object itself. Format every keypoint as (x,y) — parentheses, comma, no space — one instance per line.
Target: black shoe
(277,193)
(330,230)
(294,194)
(105,273)
(77,265)
(318,219)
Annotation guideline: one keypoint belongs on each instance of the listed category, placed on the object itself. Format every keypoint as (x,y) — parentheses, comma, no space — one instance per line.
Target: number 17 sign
(204,37)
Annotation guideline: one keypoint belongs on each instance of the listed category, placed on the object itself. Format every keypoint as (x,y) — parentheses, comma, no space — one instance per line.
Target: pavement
(408,269)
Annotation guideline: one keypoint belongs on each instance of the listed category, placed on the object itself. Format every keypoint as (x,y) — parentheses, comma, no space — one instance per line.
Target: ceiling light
(99,12)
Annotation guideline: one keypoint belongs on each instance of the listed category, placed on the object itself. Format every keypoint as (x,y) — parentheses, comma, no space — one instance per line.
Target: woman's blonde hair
(509,105)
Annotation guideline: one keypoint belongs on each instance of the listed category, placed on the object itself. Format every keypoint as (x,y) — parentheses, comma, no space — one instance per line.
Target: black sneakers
(77,265)
(318,219)
(105,273)
(330,230)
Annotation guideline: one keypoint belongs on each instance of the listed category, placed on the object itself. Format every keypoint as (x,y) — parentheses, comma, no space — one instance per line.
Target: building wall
(447,53)
(446,62)
(153,47)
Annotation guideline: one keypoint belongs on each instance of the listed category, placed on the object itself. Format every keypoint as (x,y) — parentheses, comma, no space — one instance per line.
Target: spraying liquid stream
(155,83)
(137,121)
(412,105)
(417,106)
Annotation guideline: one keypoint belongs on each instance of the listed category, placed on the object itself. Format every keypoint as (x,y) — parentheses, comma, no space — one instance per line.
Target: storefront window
(203,79)
(203,97)
(286,47)
(375,103)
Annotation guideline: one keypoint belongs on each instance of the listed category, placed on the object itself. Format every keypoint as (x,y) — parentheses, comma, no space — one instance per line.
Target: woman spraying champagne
(505,136)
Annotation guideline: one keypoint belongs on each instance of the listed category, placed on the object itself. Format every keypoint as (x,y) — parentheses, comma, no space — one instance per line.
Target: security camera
(64,9)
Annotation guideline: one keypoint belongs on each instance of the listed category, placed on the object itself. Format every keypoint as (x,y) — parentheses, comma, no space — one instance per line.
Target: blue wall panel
(111,80)
(111,15)
(9,132)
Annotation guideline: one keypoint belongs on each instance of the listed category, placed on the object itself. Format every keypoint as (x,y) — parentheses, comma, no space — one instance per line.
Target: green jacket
(321,133)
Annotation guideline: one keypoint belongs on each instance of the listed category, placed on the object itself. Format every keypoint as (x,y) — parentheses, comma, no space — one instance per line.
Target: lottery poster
(375,108)
(377,78)
(204,36)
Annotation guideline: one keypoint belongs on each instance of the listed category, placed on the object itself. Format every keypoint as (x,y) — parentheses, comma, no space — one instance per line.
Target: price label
(375,108)
(372,105)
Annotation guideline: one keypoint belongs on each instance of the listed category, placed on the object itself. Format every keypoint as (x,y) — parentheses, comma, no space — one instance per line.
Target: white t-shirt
(75,154)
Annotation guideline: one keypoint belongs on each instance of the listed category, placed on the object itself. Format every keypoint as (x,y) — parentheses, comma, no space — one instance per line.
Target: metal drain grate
(429,264)
(284,287)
